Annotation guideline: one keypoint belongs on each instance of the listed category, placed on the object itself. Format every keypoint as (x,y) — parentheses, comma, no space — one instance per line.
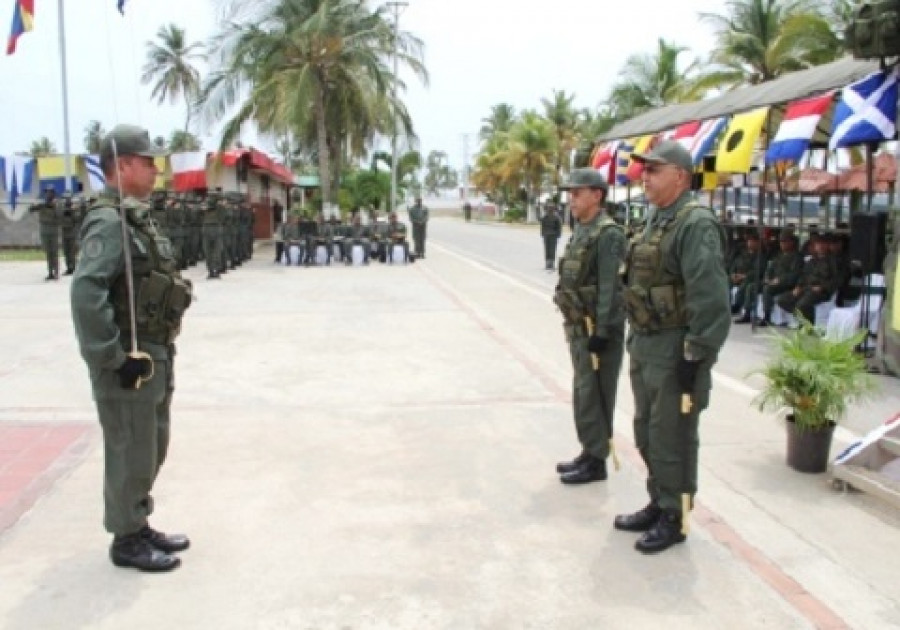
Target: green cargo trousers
(135,427)
(594,391)
(50,245)
(667,440)
(212,248)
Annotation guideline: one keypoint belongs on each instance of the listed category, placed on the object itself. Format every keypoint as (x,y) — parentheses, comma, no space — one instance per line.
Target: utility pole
(396,7)
(465,168)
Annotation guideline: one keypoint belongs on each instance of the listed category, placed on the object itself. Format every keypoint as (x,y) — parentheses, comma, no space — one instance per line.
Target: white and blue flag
(96,179)
(867,111)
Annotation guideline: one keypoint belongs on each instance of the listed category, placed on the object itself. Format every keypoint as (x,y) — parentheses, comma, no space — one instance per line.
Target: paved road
(373,448)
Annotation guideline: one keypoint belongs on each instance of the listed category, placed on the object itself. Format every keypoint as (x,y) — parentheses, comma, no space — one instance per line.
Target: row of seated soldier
(304,243)
(783,275)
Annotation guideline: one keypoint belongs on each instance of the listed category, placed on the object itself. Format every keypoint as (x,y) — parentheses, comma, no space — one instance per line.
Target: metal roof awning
(790,87)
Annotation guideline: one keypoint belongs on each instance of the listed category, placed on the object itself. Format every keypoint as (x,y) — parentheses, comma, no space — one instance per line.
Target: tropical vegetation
(170,68)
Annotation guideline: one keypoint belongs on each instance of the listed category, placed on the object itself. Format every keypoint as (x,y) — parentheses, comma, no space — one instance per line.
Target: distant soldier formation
(215,227)
(307,242)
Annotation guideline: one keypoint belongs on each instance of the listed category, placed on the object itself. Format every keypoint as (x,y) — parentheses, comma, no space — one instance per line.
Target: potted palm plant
(816,378)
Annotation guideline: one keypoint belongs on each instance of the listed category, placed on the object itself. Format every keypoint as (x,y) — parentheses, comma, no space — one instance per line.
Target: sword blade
(126,250)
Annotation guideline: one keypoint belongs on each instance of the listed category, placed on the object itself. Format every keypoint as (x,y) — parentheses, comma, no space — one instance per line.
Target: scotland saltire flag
(96,179)
(797,128)
(867,111)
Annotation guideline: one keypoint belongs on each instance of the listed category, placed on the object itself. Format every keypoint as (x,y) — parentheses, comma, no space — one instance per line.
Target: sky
(478,53)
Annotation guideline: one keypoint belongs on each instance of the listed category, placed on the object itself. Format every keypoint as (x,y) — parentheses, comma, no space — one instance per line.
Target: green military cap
(667,152)
(585,178)
(129,140)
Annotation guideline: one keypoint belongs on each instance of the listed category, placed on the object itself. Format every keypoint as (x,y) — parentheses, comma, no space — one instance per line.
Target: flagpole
(65,97)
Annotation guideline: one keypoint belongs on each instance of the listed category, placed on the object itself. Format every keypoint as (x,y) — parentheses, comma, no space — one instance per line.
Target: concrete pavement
(373,448)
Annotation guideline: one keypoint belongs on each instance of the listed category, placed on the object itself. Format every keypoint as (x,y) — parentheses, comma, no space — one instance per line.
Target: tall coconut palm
(561,113)
(181,141)
(93,136)
(296,65)
(531,154)
(647,81)
(759,40)
(42,147)
(502,116)
(169,67)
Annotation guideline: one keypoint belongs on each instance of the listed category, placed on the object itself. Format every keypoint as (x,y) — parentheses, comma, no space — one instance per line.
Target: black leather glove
(130,371)
(687,375)
(597,344)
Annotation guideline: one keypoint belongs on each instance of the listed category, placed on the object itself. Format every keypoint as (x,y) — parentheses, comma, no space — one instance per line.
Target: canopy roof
(790,87)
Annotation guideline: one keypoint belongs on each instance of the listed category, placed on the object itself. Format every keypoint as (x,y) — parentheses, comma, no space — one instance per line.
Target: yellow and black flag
(736,147)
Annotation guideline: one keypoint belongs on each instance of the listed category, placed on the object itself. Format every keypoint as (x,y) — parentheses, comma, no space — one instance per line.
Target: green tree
(318,68)
(42,148)
(438,174)
(531,154)
(93,136)
(562,114)
(759,40)
(182,141)
(169,67)
(502,116)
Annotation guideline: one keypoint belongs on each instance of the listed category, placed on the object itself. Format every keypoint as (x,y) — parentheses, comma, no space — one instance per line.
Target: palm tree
(317,68)
(183,141)
(170,68)
(42,148)
(591,124)
(93,136)
(559,110)
(759,40)
(531,154)
(649,81)
(501,119)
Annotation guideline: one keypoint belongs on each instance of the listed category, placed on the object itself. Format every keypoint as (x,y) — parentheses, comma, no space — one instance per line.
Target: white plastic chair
(844,322)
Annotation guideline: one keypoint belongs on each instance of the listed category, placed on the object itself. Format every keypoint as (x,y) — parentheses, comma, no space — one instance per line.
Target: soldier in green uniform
(48,218)
(589,295)
(551,230)
(132,399)
(358,234)
(818,281)
(418,216)
(782,274)
(743,277)
(396,232)
(212,237)
(175,216)
(679,316)
(195,230)
(69,223)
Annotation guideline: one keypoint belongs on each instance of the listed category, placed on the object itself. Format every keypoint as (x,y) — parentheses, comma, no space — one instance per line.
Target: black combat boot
(744,319)
(168,543)
(592,469)
(640,521)
(567,467)
(133,551)
(664,533)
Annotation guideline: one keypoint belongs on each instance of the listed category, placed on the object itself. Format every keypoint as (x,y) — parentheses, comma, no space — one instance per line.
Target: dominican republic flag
(797,128)
(188,170)
(96,178)
(22,22)
(605,160)
(703,139)
(867,111)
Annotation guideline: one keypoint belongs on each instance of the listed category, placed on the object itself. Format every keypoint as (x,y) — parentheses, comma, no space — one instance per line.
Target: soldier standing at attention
(418,216)
(69,224)
(48,217)
(132,387)
(212,237)
(589,294)
(551,230)
(679,315)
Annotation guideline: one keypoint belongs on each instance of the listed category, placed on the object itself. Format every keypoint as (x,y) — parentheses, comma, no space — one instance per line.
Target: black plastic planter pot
(807,450)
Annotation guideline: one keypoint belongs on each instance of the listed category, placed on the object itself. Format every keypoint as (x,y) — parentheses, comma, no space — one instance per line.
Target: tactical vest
(47,214)
(161,296)
(576,293)
(654,298)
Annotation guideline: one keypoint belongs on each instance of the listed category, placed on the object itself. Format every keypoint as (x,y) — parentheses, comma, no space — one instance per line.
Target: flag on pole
(623,160)
(736,149)
(797,128)
(22,22)
(18,175)
(96,178)
(867,111)
(703,139)
(188,170)
(52,174)
(605,160)
(121,5)
(685,134)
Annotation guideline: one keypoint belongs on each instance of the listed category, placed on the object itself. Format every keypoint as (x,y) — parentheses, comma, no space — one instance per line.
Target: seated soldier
(397,235)
(744,271)
(358,235)
(339,230)
(817,283)
(378,237)
(782,274)
(850,276)
(321,234)
(291,234)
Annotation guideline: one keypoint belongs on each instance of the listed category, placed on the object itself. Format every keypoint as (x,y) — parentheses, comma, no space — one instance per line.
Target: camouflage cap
(129,140)
(585,178)
(667,152)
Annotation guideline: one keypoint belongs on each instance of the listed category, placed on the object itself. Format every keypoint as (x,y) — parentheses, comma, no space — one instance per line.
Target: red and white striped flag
(188,170)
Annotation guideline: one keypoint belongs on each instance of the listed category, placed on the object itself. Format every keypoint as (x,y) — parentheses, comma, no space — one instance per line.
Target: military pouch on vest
(150,302)
(640,312)
(569,305)
(179,300)
(665,304)
(588,298)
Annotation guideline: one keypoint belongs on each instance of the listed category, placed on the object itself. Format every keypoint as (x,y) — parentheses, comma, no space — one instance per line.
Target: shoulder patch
(93,247)
(710,241)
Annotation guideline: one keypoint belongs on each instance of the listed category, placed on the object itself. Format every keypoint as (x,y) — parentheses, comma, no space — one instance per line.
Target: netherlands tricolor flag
(797,128)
